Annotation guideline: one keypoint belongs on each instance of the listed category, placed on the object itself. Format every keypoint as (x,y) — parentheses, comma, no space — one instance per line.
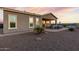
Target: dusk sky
(64,14)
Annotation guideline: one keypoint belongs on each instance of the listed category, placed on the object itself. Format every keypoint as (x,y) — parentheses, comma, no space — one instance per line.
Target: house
(22,21)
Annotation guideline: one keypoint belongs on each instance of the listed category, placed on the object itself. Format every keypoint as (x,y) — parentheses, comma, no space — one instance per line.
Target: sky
(64,14)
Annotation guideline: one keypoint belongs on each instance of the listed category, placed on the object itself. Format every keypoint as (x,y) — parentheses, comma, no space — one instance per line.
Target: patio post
(45,23)
(56,21)
(50,22)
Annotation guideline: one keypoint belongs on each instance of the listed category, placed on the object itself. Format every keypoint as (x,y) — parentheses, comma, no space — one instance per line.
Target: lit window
(43,22)
(31,22)
(47,22)
(12,21)
(52,22)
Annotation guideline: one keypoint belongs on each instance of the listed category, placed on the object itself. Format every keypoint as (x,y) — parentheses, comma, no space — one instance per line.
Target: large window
(37,21)
(31,22)
(12,21)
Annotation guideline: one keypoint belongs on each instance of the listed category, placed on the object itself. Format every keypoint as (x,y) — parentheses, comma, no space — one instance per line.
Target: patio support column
(50,22)
(45,23)
(55,21)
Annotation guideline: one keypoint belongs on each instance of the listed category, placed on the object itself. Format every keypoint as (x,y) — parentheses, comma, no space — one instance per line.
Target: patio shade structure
(48,18)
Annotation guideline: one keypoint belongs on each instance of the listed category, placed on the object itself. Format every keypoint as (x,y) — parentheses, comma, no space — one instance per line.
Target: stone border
(56,30)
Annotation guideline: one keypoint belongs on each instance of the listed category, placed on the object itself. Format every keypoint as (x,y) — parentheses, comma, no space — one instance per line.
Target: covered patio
(48,20)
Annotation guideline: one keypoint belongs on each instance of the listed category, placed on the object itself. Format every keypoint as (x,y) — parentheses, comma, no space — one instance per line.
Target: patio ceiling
(47,19)
(49,16)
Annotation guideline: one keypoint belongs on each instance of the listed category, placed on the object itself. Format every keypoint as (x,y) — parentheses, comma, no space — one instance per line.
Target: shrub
(57,26)
(71,29)
(38,29)
(64,25)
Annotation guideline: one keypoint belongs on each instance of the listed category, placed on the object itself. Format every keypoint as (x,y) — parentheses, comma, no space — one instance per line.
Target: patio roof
(49,16)
(45,16)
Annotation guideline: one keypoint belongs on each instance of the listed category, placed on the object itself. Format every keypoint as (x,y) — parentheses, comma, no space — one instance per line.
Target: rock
(38,38)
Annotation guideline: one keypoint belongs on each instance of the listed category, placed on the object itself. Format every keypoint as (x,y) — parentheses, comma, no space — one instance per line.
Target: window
(31,22)
(47,22)
(43,22)
(12,21)
(37,21)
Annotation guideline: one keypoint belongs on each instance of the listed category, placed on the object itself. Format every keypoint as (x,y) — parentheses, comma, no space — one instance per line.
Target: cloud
(64,14)
(42,10)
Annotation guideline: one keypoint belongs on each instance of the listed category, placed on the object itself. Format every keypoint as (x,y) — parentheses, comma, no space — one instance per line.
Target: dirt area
(49,41)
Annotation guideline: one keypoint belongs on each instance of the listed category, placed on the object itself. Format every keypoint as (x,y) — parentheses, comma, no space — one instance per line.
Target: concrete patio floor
(49,41)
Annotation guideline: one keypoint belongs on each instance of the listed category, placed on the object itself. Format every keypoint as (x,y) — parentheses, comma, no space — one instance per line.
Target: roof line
(24,12)
(51,14)
(18,11)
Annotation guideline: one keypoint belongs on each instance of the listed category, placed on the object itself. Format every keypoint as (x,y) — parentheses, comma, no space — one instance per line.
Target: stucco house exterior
(22,21)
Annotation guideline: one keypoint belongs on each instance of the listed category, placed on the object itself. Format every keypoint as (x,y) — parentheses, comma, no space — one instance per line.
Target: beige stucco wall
(22,22)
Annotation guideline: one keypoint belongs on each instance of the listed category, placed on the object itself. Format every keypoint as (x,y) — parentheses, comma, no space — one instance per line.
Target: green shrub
(71,29)
(64,25)
(38,29)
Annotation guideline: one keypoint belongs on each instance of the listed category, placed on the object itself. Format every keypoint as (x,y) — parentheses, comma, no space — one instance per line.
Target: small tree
(38,29)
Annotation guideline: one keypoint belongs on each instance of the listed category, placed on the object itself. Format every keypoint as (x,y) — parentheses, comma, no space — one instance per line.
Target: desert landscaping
(48,41)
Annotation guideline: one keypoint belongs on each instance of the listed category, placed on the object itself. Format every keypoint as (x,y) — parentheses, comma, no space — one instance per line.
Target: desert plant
(38,29)
(71,29)
(64,25)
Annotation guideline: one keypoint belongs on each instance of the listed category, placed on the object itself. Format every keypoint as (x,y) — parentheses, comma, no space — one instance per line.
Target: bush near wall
(38,29)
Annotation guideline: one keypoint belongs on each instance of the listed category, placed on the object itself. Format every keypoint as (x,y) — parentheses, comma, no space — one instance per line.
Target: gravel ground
(49,41)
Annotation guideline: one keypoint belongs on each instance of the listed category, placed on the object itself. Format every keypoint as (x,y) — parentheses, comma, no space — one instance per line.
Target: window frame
(10,21)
